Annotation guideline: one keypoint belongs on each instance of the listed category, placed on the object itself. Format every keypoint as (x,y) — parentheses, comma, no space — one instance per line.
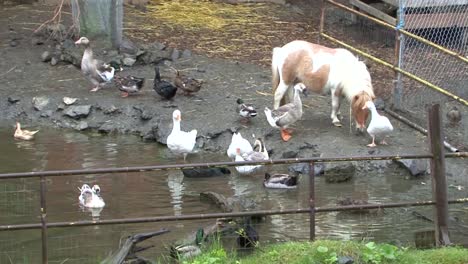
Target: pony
(322,70)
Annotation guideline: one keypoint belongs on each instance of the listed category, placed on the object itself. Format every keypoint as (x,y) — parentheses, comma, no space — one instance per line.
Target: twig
(57,13)
(12,68)
(65,260)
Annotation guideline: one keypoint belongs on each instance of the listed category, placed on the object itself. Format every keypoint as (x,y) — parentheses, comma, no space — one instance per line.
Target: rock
(307,145)
(128,47)
(147,134)
(110,110)
(46,113)
(69,100)
(175,54)
(61,106)
(205,172)
(54,61)
(379,104)
(71,53)
(146,115)
(13,43)
(303,168)
(289,154)
(107,127)
(128,61)
(36,41)
(46,56)
(82,125)
(40,102)
(339,172)
(78,111)
(186,54)
(345,260)
(416,167)
(154,56)
(162,131)
(13,99)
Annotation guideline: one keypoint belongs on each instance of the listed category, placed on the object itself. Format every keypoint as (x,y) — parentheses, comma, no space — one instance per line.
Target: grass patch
(328,252)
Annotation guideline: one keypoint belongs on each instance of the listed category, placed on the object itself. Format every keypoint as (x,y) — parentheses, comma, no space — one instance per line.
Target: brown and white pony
(322,69)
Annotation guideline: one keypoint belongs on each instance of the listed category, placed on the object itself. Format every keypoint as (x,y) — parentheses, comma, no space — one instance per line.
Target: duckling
(454,115)
(280,181)
(23,134)
(379,126)
(164,88)
(187,84)
(259,154)
(238,141)
(89,198)
(180,141)
(96,71)
(129,84)
(247,235)
(246,111)
(287,114)
(188,249)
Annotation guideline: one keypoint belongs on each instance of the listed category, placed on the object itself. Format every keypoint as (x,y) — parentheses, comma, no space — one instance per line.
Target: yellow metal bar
(410,75)
(411,35)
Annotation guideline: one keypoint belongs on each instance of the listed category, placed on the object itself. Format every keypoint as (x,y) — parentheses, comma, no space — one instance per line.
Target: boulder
(416,167)
(107,127)
(13,99)
(40,102)
(342,172)
(78,111)
(71,53)
(289,154)
(303,168)
(128,61)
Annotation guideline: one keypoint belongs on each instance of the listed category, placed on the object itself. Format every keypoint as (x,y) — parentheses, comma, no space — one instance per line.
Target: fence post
(312,200)
(439,183)
(399,48)
(43,220)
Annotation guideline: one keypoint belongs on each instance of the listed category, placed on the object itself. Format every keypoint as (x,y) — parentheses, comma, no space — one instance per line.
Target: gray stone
(110,110)
(162,131)
(40,102)
(342,172)
(128,61)
(303,168)
(146,115)
(71,53)
(61,106)
(289,154)
(36,41)
(53,61)
(82,125)
(175,54)
(13,99)
(46,56)
(416,167)
(345,260)
(186,54)
(107,127)
(46,113)
(77,111)
(13,43)
(127,46)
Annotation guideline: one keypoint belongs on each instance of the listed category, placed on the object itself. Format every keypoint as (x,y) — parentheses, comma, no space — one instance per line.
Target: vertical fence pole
(399,40)
(439,183)
(43,220)
(312,200)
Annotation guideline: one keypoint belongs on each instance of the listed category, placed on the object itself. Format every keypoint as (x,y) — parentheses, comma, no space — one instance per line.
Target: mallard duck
(247,235)
(379,126)
(24,134)
(187,84)
(96,71)
(117,66)
(287,114)
(189,249)
(180,141)
(259,154)
(454,115)
(246,111)
(89,198)
(129,84)
(164,88)
(238,141)
(280,181)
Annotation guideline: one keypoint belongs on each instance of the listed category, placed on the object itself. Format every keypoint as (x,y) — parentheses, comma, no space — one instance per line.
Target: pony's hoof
(337,124)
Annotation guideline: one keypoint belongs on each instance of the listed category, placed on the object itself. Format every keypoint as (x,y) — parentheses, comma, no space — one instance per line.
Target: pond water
(169,193)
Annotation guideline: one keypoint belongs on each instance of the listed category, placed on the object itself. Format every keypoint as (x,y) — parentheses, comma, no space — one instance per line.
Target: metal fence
(436,156)
(425,47)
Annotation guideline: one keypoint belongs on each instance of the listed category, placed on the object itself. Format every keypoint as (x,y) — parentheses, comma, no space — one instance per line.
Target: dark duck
(164,88)
(129,84)
(248,236)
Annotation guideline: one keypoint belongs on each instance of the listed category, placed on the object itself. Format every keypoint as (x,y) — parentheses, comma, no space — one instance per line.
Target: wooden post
(43,220)
(312,200)
(439,183)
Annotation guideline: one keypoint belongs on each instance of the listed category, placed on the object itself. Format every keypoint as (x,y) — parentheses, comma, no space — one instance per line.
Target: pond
(169,193)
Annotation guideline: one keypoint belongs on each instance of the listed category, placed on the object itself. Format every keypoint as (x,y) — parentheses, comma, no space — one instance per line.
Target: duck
(280,181)
(247,111)
(259,154)
(189,249)
(180,141)
(89,198)
(247,235)
(454,115)
(287,114)
(96,71)
(129,84)
(237,141)
(187,84)
(24,134)
(379,126)
(164,88)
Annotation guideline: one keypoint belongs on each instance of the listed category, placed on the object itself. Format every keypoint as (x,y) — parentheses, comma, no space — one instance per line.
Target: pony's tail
(274,69)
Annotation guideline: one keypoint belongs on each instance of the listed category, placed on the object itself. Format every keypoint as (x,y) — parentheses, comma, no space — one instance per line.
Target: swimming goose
(181,142)
(379,126)
(164,88)
(287,114)
(23,134)
(247,111)
(96,71)
(238,141)
(280,181)
(89,198)
(259,154)
(129,84)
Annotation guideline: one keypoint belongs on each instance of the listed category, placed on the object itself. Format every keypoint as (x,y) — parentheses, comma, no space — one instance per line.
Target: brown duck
(187,84)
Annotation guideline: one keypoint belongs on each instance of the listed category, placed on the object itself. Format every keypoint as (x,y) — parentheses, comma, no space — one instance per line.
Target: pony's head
(360,112)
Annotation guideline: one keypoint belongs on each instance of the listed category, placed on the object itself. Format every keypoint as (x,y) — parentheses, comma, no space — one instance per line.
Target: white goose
(260,153)
(89,198)
(238,141)
(379,126)
(181,142)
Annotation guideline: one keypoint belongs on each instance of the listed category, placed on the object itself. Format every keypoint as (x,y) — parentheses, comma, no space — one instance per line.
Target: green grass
(327,252)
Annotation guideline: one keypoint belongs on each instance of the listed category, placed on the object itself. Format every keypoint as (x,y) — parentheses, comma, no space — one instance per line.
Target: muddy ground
(23,76)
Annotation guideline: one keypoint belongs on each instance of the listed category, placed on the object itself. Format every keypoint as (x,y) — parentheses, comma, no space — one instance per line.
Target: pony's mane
(356,79)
